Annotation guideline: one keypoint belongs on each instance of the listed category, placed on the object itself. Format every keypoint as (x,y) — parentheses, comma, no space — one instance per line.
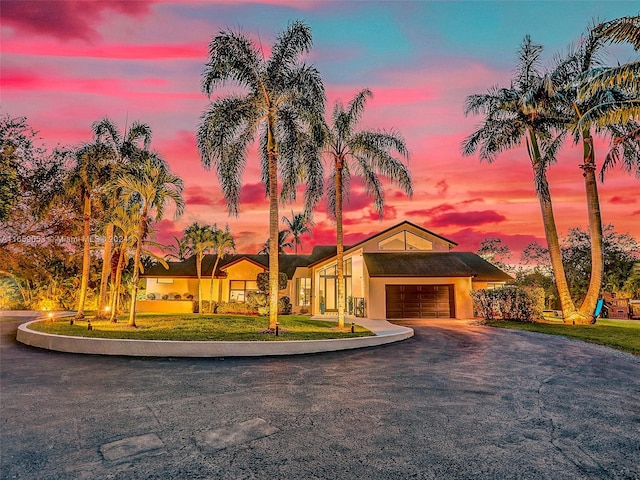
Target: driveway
(454,401)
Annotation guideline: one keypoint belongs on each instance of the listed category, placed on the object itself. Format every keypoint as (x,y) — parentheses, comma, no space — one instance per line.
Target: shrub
(165,296)
(508,303)
(236,308)
(177,296)
(263,281)
(284,306)
(188,296)
(205,306)
(151,296)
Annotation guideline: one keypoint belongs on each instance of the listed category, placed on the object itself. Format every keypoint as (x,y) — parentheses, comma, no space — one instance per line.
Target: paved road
(455,401)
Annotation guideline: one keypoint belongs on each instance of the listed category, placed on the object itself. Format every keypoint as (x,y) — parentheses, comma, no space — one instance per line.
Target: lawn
(194,327)
(623,335)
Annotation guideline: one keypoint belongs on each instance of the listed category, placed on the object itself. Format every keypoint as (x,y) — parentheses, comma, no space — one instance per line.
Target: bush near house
(508,303)
(260,302)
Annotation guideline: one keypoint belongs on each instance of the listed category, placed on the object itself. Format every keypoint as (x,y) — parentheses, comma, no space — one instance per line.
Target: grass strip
(623,335)
(193,327)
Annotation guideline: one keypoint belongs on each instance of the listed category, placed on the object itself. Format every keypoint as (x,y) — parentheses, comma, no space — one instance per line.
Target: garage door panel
(419,301)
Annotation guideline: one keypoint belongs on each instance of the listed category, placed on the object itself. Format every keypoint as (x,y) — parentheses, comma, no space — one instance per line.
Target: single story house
(404,271)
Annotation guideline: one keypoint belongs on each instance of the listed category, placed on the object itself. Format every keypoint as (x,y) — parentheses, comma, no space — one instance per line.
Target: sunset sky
(66,64)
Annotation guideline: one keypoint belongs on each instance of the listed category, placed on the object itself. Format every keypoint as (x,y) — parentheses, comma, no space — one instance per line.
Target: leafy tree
(368,154)
(223,243)
(283,105)
(178,250)
(297,226)
(520,113)
(620,251)
(150,183)
(199,240)
(494,251)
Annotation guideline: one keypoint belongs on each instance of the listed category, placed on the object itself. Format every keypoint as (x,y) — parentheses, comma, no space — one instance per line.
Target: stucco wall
(438,245)
(179,285)
(243,270)
(377,295)
(164,306)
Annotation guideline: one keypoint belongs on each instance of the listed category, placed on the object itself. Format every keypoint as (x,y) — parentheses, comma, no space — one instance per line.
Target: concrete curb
(385,333)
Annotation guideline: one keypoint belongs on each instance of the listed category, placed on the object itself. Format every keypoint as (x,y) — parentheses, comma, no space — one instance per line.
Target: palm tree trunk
(213,273)
(273,228)
(86,259)
(339,242)
(136,267)
(106,271)
(551,234)
(199,272)
(115,294)
(585,315)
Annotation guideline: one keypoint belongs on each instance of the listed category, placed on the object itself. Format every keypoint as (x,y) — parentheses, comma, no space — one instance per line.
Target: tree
(178,250)
(494,251)
(91,173)
(283,104)
(620,252)
(283,242)
(522,112)
(297,226)
(124,149)
(151,184)
(368,154)
(223,243)
(199,240)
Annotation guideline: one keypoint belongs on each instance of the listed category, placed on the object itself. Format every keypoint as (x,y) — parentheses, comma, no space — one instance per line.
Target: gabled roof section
(485,271)
(401,224)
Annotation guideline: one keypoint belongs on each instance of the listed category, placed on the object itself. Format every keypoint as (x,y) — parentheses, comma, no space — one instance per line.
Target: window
(239,289)
(404,241)
(303,291)
(164,280)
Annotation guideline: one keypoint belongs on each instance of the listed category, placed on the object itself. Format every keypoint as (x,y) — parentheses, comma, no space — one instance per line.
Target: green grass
(194,327)
(623,335)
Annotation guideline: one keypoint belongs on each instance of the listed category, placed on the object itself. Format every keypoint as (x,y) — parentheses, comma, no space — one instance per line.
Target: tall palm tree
(87,178)
(522,113)
(150,183)
(124,148)
(368,154)
(565,79)
(199,240)
(297,226)
(223,243)
(283,105)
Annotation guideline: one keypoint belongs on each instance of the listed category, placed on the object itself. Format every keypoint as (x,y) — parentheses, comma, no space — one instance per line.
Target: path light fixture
(50,315)
(353,327)
(277,328)
(89,326)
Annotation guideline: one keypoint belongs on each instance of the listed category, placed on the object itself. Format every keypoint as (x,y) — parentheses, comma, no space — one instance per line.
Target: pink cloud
(467,218)
(621,200)
(68,19)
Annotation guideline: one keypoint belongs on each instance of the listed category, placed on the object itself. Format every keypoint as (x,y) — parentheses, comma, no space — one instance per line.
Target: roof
(433,264)
(405,222)
(187,268)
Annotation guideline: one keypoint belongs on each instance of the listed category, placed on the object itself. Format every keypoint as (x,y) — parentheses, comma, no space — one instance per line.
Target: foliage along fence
(508,303)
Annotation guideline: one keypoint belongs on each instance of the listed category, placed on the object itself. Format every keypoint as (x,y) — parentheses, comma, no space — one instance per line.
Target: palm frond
(621,30)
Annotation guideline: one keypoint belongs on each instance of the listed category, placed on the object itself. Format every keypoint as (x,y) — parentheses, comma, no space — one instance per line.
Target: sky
(66,64)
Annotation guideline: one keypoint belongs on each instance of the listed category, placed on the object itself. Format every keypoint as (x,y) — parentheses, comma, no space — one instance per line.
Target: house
(404,271)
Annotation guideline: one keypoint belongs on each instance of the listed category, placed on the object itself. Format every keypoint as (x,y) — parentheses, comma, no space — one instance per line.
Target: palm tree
(622,77)
(283,242)
(151,184)
(297,226)
(368,154)
(124,148)
(199,240)
(283,105)
(90,173)
(519,113)
(178,250)
(223,243)
(565,79)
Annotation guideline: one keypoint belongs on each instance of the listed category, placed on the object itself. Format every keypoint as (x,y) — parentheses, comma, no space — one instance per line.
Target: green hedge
(508,303)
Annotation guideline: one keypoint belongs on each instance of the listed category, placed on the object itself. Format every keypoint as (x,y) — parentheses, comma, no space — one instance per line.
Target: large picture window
(404,241)
(239,289)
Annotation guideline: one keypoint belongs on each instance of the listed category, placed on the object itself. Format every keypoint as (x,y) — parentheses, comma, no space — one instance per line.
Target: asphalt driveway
(455,401)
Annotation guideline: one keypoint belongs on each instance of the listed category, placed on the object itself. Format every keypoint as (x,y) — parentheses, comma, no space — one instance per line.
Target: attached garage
(419,301)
